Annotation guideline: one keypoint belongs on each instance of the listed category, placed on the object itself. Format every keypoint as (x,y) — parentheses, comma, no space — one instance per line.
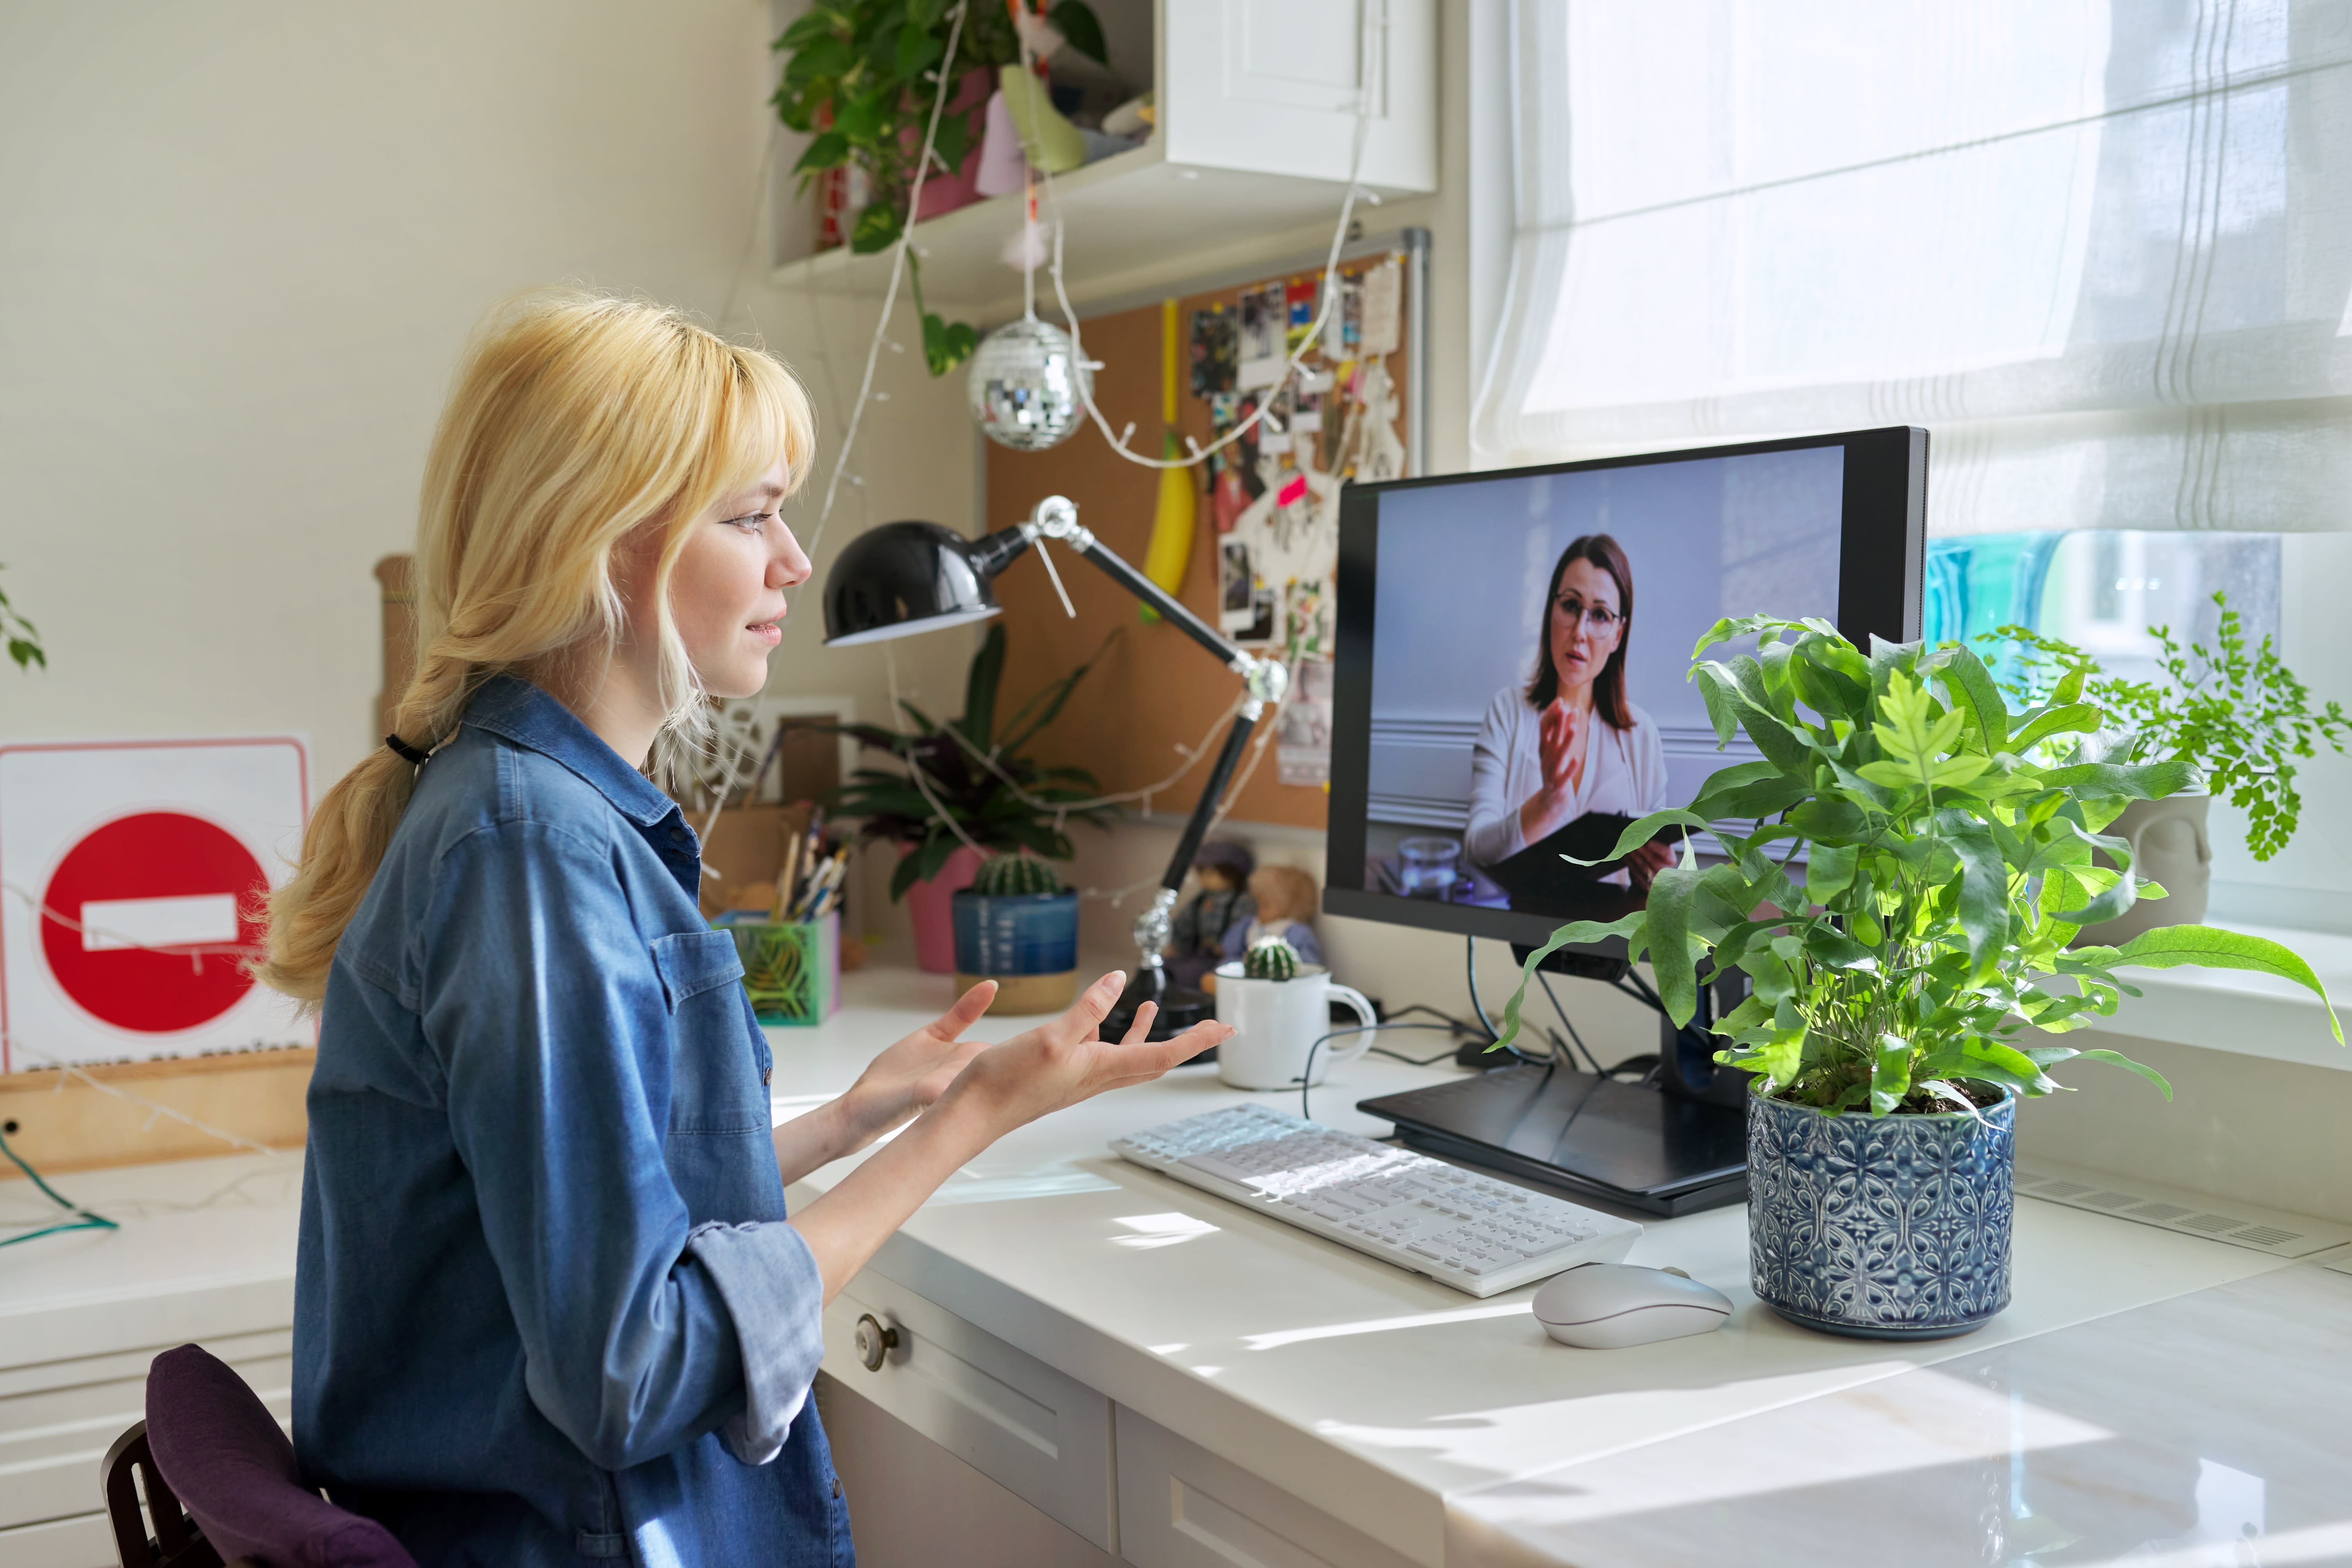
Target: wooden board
(70,1126)
(1155,690)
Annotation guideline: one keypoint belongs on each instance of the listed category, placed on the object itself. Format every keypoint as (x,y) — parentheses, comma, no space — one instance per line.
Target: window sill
(2236,1010)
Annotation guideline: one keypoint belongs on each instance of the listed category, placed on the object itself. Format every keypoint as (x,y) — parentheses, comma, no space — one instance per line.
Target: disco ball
(1028,386)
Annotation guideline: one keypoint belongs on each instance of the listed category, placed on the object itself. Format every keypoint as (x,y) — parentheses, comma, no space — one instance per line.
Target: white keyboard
(1472,1232)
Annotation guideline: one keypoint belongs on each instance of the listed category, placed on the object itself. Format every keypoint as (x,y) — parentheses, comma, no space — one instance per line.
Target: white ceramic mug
(1277,1022)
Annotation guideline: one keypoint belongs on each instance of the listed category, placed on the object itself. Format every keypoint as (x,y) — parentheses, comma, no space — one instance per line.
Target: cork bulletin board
(1258,524)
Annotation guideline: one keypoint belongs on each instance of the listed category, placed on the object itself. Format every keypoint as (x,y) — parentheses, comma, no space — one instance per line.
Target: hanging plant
(861,80)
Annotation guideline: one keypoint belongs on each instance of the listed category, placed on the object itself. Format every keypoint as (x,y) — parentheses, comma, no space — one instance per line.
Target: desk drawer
(1181,1506)
(1042,1436)
(57,1419)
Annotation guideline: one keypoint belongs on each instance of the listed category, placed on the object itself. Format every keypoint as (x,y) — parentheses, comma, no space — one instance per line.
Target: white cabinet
(1181,1506)
(1270,87)
(1042,1436)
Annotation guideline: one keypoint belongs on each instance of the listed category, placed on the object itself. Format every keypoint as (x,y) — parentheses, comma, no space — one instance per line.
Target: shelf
(1132,222)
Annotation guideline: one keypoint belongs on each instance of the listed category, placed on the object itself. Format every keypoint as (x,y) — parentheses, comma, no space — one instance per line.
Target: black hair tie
(405,751)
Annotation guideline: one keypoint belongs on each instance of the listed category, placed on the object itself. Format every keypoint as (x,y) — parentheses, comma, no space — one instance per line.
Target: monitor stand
(1587,1136)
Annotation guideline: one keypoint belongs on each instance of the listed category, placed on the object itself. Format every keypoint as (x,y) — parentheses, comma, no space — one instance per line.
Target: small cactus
(1273,959)
(1014,875)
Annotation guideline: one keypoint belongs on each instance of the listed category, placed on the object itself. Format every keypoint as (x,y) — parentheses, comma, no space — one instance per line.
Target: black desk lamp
(907,577)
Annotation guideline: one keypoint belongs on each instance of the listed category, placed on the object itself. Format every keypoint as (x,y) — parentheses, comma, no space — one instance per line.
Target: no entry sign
(131,877)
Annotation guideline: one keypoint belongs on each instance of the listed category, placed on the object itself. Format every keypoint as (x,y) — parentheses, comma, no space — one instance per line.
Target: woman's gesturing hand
(1556,745)
(1061,1063)
(904,1079)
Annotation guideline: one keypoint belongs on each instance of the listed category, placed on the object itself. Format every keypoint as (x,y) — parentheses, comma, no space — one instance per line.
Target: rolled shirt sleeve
(641,1332)
(764,1271)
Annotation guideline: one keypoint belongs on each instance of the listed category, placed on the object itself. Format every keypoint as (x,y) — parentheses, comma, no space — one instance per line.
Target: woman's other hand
(903,1080)
(1647,860)
(1061,1063)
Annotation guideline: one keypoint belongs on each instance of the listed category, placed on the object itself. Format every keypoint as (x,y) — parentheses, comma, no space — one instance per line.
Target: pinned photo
(1266,315)
(1217,351)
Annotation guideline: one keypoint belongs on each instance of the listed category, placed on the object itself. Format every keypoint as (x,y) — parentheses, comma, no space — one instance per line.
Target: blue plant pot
(1883,1227)
(1025,933)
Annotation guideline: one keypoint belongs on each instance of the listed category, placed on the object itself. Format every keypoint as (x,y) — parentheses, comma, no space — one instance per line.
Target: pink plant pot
(945,192)
(932,906)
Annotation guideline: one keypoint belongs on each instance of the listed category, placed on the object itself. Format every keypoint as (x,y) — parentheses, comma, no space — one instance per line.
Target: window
(2100,248)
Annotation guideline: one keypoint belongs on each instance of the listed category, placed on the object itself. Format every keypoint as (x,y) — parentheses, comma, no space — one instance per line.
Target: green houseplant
(860,79)
(1910,979)
(2238,713)
(967,782)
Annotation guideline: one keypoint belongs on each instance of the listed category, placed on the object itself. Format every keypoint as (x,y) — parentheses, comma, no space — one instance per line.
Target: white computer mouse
(1608,1306)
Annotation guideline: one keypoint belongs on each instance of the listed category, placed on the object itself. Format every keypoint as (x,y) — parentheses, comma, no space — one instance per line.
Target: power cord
(83,1218)
(1552,996)
(1307,1077)
(1470,952)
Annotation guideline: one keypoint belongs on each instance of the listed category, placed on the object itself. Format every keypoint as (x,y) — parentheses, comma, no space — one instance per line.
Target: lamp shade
(903,578)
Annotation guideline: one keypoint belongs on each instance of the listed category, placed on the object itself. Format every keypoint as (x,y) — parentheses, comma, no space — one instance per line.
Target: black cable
(1306,1074)
(1470,946)
(1464,1025)
(1410,1061)
(1553,996)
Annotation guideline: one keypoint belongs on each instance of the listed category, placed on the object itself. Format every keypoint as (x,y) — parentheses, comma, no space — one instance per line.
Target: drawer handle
(875,1341)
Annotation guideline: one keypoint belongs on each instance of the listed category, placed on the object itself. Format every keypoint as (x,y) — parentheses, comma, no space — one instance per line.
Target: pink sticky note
(1295,491)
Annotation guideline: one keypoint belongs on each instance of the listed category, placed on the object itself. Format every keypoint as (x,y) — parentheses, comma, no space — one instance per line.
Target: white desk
(1442,1429)
(1176,1381)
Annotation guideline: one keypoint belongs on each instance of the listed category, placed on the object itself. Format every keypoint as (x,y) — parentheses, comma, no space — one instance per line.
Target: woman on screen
(1569,745)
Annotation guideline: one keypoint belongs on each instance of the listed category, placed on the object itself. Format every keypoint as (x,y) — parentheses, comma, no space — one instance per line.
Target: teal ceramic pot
(1021,933)
(1883,1227)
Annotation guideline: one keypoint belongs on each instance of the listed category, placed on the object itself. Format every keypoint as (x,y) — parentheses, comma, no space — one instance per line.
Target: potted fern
(2238,714)
(964,790)
(1912,976)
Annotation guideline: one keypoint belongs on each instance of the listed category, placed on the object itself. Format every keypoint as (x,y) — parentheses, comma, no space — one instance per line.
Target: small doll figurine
(1286,899)
(1196,936)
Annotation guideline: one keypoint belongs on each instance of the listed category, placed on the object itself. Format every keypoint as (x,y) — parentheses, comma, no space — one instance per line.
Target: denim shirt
(547,1306)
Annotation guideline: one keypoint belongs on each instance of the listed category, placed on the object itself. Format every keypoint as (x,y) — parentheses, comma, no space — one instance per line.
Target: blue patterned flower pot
(1026,943)
(1884,1228)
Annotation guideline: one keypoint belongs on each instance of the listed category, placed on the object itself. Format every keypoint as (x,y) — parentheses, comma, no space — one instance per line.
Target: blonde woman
(549,1304)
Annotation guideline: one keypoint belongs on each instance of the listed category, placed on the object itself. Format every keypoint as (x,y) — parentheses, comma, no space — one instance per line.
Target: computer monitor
(1454,652)
(1511,687)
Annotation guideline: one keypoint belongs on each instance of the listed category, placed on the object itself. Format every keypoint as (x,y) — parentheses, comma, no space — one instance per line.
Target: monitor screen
(1513,648)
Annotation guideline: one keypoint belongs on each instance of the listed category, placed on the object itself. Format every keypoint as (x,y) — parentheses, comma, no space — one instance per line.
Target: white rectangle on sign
(111,923)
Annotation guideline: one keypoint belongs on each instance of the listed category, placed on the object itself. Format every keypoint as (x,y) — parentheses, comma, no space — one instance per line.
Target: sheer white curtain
(2101,249)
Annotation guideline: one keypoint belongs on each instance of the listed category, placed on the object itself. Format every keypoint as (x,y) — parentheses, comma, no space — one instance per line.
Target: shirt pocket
(691,962)
(717,1084)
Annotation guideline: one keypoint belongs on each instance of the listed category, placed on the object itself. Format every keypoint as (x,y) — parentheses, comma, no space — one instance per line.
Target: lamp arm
(1267,679)
(1055,518)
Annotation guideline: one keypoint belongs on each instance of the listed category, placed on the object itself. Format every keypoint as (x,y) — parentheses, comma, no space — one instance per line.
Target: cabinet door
(1270,87)
(1042,1436)
(59,1418)
(1181,1506)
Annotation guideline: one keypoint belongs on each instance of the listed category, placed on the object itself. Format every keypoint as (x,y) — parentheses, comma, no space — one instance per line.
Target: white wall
(242,244)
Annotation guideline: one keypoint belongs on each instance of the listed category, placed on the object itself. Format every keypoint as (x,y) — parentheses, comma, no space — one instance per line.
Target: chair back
(128,1468)
(231,1464)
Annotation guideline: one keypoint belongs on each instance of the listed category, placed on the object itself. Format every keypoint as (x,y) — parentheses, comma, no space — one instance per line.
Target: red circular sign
(162,950)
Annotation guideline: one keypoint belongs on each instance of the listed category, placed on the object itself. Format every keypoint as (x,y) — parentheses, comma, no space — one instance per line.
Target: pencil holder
(792,970)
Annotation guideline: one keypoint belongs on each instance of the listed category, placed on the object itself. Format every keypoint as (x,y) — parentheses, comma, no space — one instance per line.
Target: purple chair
(209,1442)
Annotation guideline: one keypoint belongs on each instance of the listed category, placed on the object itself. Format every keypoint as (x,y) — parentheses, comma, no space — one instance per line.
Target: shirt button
(765,1073)
(837,1486)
